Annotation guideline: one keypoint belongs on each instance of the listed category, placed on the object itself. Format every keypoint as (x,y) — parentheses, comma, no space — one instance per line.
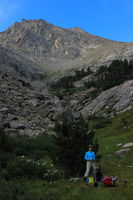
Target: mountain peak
(42,39)
(43,23)
(58,48)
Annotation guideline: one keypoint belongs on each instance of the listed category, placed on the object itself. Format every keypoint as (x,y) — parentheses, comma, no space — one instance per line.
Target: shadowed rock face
(36,45)
(17,65)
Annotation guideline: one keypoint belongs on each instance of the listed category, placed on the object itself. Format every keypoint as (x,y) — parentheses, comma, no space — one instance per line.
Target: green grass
(109,137)
(59,92)
(66,190)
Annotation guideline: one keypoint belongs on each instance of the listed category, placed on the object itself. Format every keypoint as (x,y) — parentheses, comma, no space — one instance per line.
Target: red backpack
(110,181)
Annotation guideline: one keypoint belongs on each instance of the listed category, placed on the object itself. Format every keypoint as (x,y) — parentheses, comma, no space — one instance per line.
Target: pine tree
(73,138)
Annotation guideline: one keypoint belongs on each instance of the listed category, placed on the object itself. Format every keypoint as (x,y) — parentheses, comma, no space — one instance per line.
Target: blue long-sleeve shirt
(90,155)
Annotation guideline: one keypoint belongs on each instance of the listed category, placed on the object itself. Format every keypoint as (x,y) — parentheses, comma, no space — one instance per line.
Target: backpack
(98,174)
(89,180)
(110,181)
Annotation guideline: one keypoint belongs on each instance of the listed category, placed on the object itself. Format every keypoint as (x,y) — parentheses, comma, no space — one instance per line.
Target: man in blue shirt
(90,157)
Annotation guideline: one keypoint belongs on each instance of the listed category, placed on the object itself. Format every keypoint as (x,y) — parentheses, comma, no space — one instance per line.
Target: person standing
(90,157)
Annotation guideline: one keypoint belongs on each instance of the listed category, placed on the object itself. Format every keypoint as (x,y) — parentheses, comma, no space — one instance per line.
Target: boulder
(12,131)
(41,96)
(118,145)
(74,179)
(4,109)
(33,102)
(51,132)
(16,125)
(121,151)
(57,102)
(130,144)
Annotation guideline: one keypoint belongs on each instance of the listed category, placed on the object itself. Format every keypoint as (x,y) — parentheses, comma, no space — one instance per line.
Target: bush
(23,190)
(5,157)
(35,147)
(6,142)
(94,94)
(66,82)
(100,123)
(13,191)
(27,157)
(23,167)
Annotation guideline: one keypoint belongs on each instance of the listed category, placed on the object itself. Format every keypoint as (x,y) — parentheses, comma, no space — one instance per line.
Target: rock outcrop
(130,144)
(121,151)
(112,101)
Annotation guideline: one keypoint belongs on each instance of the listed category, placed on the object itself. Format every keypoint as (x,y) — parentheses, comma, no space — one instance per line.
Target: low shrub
(23,190)
(101,123)
(23,167)
(12,191)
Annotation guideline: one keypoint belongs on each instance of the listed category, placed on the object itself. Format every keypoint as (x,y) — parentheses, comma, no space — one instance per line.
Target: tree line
(107,76)
(66,82)
(114,74)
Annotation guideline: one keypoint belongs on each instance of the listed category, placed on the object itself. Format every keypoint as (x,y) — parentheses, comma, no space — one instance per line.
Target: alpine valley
(60,90)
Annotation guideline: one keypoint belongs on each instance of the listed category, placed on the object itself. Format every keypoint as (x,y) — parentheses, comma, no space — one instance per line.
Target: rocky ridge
(39,46)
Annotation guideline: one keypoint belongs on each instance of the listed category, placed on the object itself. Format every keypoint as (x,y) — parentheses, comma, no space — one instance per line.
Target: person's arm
(94,156)
(86,156)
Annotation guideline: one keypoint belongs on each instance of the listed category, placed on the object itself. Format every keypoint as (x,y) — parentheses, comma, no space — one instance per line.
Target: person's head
(90,147)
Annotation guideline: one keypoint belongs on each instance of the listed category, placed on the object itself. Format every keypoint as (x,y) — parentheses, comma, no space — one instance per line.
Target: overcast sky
(112,19)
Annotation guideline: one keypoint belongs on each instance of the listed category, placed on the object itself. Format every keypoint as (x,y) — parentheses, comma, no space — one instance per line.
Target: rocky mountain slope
(41,46)
(33,53)
(27,110)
